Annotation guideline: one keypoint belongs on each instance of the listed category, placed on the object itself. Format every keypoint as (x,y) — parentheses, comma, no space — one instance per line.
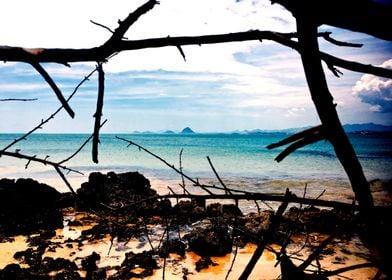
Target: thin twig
(81,147)
(18,99)
(103,26)
(227,190)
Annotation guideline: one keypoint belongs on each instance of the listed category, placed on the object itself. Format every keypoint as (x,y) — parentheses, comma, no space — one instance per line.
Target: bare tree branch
(327,37)
(54,87)
(101,53)
(18,99)
(34,158)
(98,112)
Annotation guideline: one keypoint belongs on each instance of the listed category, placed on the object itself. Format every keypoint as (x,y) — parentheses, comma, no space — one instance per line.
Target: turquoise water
(242,160)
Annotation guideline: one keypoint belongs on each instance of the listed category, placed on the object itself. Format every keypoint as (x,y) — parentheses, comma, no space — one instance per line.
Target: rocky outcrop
(27,206)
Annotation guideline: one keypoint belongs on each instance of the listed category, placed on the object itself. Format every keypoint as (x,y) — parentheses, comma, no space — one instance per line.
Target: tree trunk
(322,98)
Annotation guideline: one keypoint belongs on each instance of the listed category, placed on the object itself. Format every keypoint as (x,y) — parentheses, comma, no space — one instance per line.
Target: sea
(242,161)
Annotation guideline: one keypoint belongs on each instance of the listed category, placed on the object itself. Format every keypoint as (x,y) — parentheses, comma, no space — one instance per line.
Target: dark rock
(310,220)
(188,211)
(144,260)
(210,238)
(89,263)
(172,246)
(255,225)
(68,275)
(27,206)
(228,211)
(203,263)
(13,271)
(113,191)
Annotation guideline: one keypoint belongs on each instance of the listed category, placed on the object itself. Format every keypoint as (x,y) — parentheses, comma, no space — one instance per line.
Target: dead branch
(54,87)
(348,268)
(227,190)
(299,140)
(327,37)
(101,25)
(323,100)
(269,197)
(81,147)
(275,220)
(98,112)
(18,99)
(43,122)
(101,53)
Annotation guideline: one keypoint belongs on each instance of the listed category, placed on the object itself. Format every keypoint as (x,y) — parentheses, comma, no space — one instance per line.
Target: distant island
(365,128)
(187,130)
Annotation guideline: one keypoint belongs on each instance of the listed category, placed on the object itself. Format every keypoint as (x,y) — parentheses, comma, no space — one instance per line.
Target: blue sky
(221,87)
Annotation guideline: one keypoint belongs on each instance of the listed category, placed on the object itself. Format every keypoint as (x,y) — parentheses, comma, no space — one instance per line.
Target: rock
(228,211)
(203,263)
(27,206)
(257,224)
(172,246)
(114,191)
(144,260)
(210,238)
(188,211)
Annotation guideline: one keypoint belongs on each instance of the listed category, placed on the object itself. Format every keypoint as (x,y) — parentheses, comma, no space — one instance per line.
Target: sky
(219,88)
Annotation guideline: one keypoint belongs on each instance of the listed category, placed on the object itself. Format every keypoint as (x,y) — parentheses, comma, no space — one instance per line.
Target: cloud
(375,91)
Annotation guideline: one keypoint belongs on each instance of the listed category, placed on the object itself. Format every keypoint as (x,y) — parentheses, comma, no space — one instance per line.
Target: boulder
(27,206)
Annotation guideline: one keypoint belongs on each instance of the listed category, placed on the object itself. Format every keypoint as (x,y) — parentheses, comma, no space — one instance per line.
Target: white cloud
(375,91)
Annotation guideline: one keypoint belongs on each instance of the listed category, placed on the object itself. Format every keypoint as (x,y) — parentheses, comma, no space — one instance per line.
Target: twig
(347,268)
(98,112)
(81,147)
(195,182)
(327,37)
(103,26)
(181,169)
(18,99)
(56,167)
(54,87)
(227,191)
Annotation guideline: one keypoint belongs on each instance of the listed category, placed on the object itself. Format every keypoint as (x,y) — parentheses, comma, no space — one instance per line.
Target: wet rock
(308,219)
(255,225)
(204,263)
(27,206)
(145,261)
(228,211)
(172,246)
(210,238)
(188,211)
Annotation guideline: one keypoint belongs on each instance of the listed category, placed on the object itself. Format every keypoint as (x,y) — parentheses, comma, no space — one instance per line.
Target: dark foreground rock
(27,206)
(126,193)
(210,238)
